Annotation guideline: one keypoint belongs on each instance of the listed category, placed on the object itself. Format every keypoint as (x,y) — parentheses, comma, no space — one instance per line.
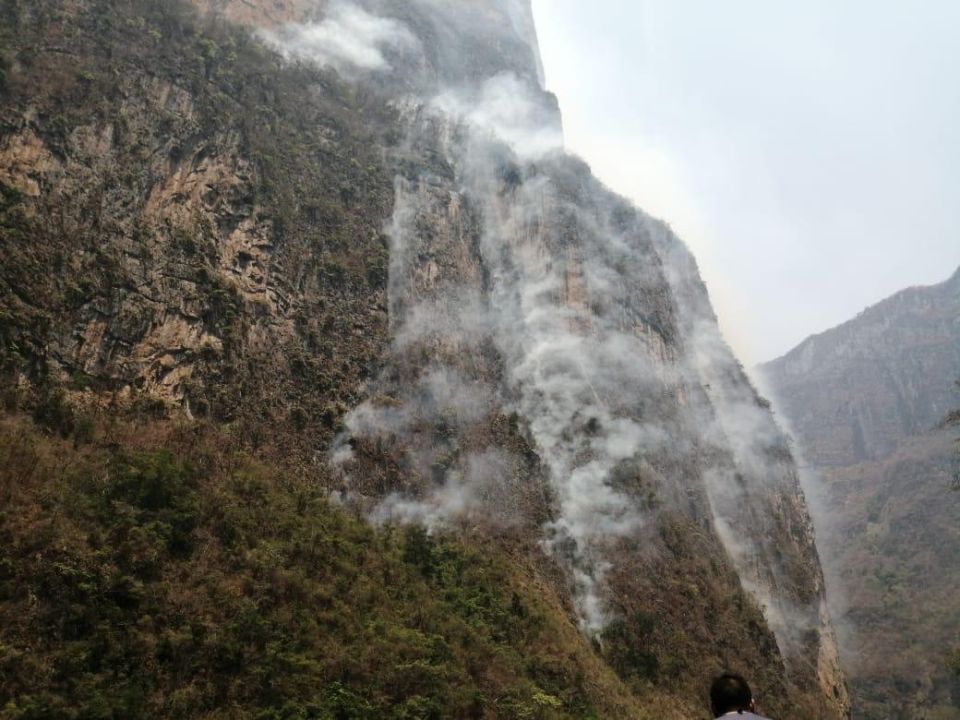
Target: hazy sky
(808,152)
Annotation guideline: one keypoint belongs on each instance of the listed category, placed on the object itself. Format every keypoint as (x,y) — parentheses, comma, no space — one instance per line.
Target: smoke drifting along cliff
(522,288)
(379,248)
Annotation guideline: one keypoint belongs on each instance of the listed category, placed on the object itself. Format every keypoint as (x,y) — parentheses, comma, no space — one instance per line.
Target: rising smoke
(348,39)
(575,366)
(519,287)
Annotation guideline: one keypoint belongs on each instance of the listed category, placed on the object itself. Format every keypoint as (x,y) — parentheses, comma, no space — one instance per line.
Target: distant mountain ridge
(851,392)
(866,400)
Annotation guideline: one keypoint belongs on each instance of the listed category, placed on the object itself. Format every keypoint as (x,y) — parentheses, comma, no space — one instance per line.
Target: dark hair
(728,693)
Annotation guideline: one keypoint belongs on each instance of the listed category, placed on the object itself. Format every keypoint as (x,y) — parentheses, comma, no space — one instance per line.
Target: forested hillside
(179,577)
(216,375)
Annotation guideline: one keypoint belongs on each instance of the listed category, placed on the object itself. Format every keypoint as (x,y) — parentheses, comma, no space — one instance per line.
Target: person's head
(730,693)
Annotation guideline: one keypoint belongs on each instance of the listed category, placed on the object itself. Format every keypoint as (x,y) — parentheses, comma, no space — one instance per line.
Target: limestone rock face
(186,227)
(356,237)
(866,400)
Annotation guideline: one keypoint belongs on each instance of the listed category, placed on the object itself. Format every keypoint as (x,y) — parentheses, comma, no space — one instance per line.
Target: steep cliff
(352,246)
(182,224)
(866,400)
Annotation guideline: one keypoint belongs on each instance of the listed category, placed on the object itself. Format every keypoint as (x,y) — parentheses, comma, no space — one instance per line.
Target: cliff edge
(343,241)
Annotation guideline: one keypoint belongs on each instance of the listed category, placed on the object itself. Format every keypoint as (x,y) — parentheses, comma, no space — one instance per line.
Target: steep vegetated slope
(174,578)
(370,268)
(867,400)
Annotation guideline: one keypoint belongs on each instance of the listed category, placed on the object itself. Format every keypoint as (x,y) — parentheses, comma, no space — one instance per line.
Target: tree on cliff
(954,662)
(953,420)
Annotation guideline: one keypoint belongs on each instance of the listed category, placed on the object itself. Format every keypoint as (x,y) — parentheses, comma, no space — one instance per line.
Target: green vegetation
(953,662)
(893,545)
(198,233)
(178,582)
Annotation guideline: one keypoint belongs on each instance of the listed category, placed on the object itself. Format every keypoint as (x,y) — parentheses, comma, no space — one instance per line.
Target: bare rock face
(866,400)
(195,236)
(381,259)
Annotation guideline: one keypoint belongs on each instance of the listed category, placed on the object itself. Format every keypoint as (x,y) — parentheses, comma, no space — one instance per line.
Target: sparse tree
(953,662)
(953,420)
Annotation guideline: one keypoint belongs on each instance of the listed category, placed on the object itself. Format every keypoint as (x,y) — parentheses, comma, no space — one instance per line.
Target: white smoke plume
(348,39)
(577,366)
(503,245)
(505,109)
(472,491)
(752,484)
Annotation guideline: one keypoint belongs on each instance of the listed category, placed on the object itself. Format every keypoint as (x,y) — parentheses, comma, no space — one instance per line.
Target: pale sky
(808,152)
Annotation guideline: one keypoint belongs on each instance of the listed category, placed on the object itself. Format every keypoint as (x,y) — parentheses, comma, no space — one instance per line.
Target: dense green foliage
(181,583)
